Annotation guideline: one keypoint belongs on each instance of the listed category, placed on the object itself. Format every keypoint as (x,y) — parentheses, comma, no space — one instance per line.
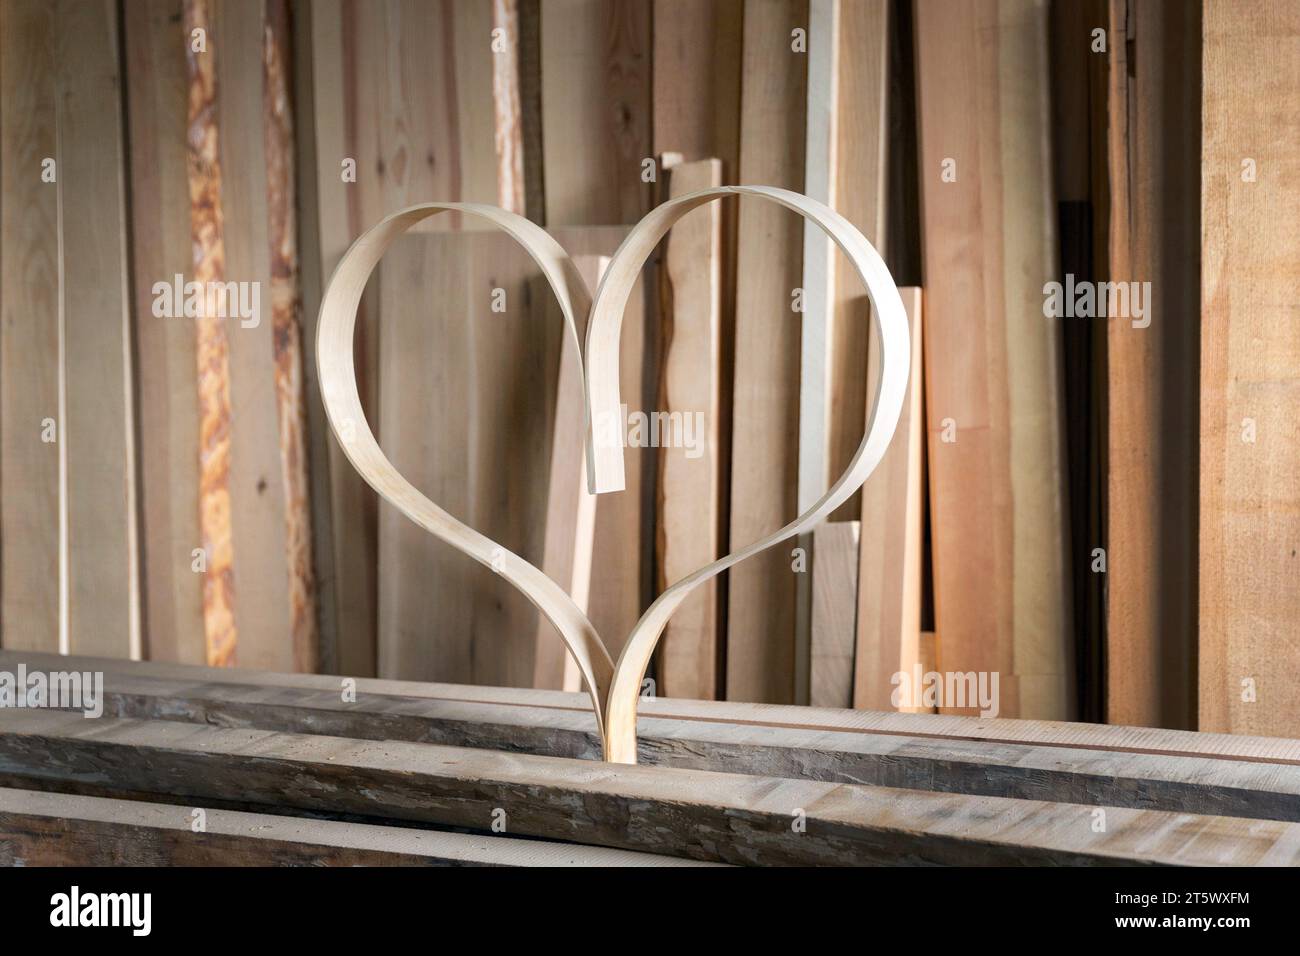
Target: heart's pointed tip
(605,485)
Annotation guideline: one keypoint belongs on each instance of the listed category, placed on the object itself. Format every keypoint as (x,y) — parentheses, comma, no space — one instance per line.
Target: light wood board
(1249,588)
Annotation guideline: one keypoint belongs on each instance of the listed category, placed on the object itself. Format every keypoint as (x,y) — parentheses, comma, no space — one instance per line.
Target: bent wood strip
(1046,733)
(697,814)
(59,829)
(334,357)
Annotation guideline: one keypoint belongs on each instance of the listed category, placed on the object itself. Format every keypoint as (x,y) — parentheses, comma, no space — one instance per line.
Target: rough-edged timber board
(688,516)
(167,399)
(992,375)
(58,829)
(1075,771)
(1249,587)
(765,413)
(701,815)
(30,346)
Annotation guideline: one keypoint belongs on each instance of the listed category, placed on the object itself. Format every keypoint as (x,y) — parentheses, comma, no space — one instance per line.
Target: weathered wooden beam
(1072,763)
(702,815)
(59,829)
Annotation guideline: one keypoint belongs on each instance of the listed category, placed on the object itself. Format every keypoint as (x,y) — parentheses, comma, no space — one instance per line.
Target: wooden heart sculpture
(614,688)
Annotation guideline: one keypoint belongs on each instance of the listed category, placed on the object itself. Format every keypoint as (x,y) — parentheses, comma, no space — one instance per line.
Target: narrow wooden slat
(689,516)
(761,598)
(834,613)
(701,815)
(508,106)
(890,558)
(167,407)
(570,510)
(99,426)
(1249,590)
(212,353)
(30,333)
(57,829)
(992,376)
(596,110)
(861,123)
(286,331)
(258,496)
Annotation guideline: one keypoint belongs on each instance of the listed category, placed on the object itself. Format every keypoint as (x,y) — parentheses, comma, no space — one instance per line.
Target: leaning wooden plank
(702,815)
(1152,362)
(765,417)
(992,376)
(99,425)
(834,613)
(31,338)
(890,560)
(168,438)
(57,829)
(1249,588)
(570,508)
(862,118)
(924,753)
(596,110)
(689,512)
(392,125)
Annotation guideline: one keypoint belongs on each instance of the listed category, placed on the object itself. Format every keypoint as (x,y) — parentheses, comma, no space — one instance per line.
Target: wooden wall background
(1103,514)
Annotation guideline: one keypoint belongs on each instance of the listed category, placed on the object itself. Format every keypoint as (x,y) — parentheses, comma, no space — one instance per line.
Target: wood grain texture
(689,514)
(167,405)
(1069,763)
(508,106)
(891,555)
(286,330)
(596,87)
(696,93)
(386,94)
(1249,589)
(570,509)
(702,815)
(31,470)
(765,414)
(57,829)
(212,354)
(834,613)
(1155,236)
(98,429)
(860,195)
(992,360)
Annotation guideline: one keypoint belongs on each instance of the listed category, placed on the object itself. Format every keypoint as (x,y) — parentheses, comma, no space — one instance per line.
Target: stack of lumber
(199,765)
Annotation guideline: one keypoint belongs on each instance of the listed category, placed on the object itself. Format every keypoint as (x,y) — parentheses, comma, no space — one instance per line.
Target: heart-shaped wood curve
(614,690)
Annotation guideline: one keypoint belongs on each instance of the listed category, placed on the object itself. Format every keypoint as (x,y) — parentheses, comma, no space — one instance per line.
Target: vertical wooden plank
(890,560)
(817,321)
(167,407)
(286,332)
(1155,237)
(862,120)
(596,110)
(834,613)
(760,615)
(689,515)
(30,332)
(99,429)
(388,98)
(257,491)
(1250,353)
(992,376)
(569,535)
(697,80)
(425,607)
